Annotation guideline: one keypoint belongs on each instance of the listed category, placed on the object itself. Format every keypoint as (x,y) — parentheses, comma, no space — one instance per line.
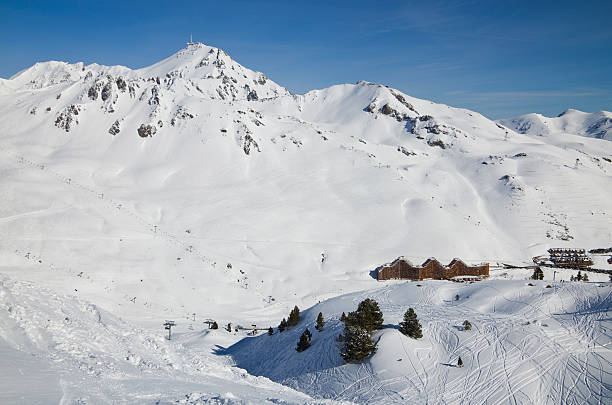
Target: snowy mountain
(594,125)
(198,186)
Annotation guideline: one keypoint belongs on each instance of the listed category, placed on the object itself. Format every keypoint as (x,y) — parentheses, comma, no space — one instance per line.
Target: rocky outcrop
(249,144)
(145,131)
(107,91)
(67,119)
(114,129)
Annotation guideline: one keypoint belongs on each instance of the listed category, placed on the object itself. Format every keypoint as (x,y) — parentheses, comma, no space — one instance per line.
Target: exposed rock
(145,131)
(33,111)
(436,142)
(67,119)
(121,84)
(249,143)
(114,129)
(405,151)
(402,100)
(92,93)
(252,96)
(107,91)
(154,99)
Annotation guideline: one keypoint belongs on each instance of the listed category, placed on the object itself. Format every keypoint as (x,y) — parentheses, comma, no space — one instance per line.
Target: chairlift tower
(168,326)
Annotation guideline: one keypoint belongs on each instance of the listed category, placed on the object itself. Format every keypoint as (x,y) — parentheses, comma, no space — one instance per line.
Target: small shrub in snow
(229,327)
(585,277)
(304,342)
(467,325)
(459,362)
(358,344)
(457,297)
(214,326)
(294,317)
(411,326)
(270,331)
(320,322)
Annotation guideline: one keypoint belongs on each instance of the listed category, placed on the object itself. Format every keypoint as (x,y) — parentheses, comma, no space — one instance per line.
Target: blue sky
(500,58)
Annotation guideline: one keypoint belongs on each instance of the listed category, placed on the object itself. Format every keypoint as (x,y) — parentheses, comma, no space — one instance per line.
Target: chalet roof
(456,260)
(431,259)
(401,259)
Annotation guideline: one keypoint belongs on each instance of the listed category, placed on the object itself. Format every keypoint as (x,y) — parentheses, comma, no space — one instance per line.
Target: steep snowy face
(593,125)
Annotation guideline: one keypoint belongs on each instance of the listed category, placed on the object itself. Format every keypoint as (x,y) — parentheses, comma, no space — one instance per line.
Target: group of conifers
(356,342)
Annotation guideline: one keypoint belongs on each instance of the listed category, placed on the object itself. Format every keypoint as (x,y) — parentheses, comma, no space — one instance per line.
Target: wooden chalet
(402,268)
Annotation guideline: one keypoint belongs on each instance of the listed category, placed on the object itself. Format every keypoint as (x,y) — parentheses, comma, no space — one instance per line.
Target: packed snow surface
(197,188)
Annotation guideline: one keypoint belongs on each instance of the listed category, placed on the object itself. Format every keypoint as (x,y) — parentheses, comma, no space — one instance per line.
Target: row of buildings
(402,268)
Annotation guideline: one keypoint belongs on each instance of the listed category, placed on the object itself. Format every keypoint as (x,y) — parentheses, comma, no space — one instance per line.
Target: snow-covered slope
(528,344)
(198,186)
(593,125)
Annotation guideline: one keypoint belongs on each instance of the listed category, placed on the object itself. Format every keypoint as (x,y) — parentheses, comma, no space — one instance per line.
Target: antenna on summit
(190,40)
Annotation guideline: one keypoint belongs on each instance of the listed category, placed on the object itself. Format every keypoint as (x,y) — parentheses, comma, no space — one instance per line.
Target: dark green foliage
(459,362)
(538,274)
(368,316)
(467,325)
(282,326)
(585,277)
(579,276)
(214,326)
(343,316)
(320,322)
(229,327)
(457,297)
(270,331)
(294,317)
(358,344)
(304,342)
(411,326)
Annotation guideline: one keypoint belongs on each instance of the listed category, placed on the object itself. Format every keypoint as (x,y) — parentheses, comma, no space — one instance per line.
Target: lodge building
(402,268)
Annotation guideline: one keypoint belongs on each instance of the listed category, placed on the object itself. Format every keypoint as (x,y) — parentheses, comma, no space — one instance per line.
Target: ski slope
(528,344)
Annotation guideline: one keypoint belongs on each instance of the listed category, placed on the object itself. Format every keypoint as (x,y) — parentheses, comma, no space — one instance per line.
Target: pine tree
(214,326)
(585,277)
(343,316)
(270,331)
(467,325)
(304,342)
(357,344)
(282,325)
(538,274)
(459,362)
(579,276)
(457,297)
(229,327)
(368,316)
(294,317)
(320,322)
(411,326)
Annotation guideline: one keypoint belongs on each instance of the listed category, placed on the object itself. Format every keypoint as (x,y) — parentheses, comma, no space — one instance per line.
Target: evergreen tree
(282,325)
(368,316)
(358,344)
(270,331)
(457,297)
(304,342)
(459,362)
(214,325)
(343,316)
(229,327)
(538,274)
(411,326)
(585,277)
(320,322)
(467,325)
(294,317)
(579,276)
